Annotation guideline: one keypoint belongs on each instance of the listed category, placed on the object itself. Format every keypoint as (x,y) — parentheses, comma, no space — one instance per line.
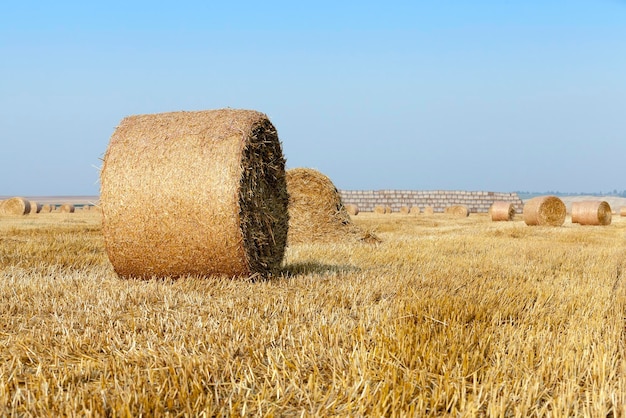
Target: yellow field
(446,316)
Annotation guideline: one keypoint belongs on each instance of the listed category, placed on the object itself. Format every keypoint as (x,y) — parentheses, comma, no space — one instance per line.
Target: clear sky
(433,94)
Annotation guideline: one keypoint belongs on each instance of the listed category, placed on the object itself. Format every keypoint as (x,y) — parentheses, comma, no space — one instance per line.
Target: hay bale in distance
(34,207)
(45,208)
(458,211)
(591,212)
(316,213)
(415,210)
(379,209)
(353,210)
(405,210)
(502,211)
(67,208)
(428,210)
(388,209)
(544,211)
(15,206)
(194,193)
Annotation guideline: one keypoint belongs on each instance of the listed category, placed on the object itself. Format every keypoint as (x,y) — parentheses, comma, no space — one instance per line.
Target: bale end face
(544,211)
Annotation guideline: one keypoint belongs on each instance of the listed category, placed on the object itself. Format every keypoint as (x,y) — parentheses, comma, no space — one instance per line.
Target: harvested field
(446,317)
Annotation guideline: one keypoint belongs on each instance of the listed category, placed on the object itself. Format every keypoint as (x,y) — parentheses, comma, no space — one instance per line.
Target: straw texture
(415,210)
(194,193)
(428,210)
(15,206)
(591,212)
(502,211)
(544,211)
(316,213)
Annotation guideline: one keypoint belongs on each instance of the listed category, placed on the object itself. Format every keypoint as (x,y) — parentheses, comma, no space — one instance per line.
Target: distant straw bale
(415,210)
(316,213)
(379,209)
(34,207)
(194,193)
(622,211)
(353,210)
(591,212)
(15,206)
(502,211)
(67,208)
(45,208)
(388,209)
(428,210)
(459,211)
(544,211)
(405,210)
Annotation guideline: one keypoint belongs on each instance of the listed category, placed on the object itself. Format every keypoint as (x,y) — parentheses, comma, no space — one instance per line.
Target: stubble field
(446,316)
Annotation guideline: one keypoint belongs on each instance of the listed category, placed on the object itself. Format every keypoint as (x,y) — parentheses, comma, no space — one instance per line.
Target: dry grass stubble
(446,316)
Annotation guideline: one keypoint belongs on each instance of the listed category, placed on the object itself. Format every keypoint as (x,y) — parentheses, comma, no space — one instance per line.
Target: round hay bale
(194,193)
(388,209)
(316,213)
(15,206)
(34,207)
(591,212)
(458,211)
(502,211)
(622,211)
(379,209)
(405,210)
(544,211)
(67,208)
(415,210)
(353,210)
(46,208)
(428,210)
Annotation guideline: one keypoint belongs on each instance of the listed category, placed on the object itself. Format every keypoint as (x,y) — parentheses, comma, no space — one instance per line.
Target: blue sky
(438,94)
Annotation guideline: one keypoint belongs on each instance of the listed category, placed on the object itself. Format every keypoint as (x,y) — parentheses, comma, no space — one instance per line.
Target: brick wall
(476,202)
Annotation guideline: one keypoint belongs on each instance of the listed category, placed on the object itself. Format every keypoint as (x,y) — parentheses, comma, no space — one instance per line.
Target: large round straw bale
(379,209)
(502,211)
(67,208)
(15,206)
(544,210)
(428,210)
(353,210)
(415,210)
(316,213)
(591,212)
(194,193)
(457,210)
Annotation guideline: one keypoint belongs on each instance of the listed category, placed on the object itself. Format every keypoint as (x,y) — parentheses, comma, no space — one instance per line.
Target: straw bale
(316,213)
(67,208)
(353,210)
(622,211)
(15,206)
(457,210)
(428,210)
(379,209)
(194,193)
(46,208)
(405,210)
(415,210)
(34,207)
(388,209)
(591,212)
(502,211)
(544,210)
